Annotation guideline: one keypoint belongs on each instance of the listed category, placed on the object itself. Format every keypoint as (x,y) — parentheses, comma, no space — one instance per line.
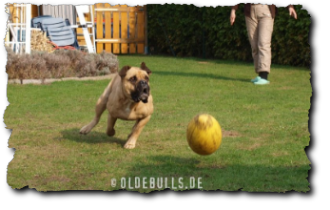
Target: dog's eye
(146,78)
(133,79)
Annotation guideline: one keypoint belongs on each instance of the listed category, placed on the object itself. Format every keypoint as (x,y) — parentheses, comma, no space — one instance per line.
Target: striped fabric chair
(58,31)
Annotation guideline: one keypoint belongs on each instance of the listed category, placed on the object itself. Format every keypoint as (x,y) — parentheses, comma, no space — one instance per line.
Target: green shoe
(261,81)
(255,79)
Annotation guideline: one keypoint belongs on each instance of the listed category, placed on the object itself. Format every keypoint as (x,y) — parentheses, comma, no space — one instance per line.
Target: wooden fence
(15,13)
(118,29)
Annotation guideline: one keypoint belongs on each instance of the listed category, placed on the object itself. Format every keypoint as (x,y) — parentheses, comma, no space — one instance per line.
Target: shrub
(206,32)
(60,63)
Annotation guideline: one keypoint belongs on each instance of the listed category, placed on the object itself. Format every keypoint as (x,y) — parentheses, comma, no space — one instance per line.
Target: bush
(59,64)
(206,32)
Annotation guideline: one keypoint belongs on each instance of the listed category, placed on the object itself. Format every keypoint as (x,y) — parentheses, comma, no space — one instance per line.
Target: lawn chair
(36,22)
(58,31)
(75,44)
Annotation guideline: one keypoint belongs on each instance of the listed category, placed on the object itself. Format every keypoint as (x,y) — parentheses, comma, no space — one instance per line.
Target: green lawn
(265,130)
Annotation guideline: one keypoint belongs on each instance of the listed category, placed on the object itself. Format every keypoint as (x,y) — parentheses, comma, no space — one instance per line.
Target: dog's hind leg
(101,105)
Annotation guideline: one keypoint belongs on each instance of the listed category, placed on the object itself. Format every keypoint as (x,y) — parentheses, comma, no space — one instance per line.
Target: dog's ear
(123,71)
(144,67)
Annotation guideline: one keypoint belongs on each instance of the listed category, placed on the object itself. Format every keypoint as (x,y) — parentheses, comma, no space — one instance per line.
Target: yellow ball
(204,134)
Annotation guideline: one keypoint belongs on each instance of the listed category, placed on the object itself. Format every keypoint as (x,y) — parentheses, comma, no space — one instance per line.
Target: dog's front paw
(85,130)
(111,132)
(129,146)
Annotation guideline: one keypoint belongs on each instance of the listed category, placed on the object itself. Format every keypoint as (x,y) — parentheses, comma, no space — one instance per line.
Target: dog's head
(136,82)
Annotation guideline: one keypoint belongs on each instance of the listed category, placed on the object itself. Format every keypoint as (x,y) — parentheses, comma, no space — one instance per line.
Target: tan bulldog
(127,97)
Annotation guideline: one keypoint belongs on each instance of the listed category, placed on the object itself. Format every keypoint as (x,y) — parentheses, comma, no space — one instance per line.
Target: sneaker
(261,81)
(255,79)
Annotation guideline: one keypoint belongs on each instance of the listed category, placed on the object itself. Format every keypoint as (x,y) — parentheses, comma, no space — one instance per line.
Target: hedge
(190,31)
(59,64)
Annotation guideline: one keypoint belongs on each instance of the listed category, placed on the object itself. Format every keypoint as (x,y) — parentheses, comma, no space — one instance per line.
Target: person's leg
(252,32)
(265,30)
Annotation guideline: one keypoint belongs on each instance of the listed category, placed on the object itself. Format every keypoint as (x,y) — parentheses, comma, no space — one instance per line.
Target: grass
(265,131)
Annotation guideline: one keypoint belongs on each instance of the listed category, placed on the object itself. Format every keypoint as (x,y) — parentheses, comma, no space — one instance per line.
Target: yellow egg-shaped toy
(204,134)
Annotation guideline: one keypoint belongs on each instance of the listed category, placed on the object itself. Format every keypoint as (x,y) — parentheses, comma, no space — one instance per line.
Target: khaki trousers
(260,28)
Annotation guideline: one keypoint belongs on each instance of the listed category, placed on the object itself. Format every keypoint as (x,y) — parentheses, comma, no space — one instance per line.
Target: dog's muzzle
(141,92)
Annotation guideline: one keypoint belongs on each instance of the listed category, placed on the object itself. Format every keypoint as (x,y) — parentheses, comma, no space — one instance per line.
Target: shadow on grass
(215,175)
(93,137)
(201,75)
(249,62)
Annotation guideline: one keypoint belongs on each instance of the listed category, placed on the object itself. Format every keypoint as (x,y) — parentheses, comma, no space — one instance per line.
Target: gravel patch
(48,81)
